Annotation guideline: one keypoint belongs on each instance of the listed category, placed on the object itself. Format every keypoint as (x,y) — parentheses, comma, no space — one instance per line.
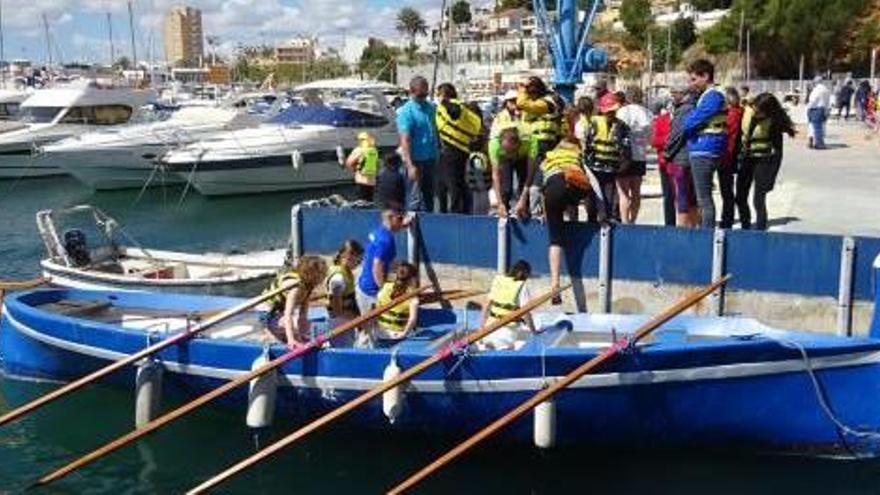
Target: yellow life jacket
(605,150)
(282,278)
(460,132)
(559,159)
(718,123)
(504,296)
(503,121)
(370,163)
(546,127)
(394,320)
(349,302)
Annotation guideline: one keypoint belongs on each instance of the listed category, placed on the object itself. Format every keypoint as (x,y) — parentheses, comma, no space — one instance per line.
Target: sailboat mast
(110,36)
(134,56)
(48,40)
(4,66)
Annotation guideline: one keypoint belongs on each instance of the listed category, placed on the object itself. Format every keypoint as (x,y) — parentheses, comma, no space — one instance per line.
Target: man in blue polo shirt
(378,258)
(418,144)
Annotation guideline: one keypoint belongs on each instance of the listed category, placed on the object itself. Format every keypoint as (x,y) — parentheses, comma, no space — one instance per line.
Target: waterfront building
(183,37)
(297,51)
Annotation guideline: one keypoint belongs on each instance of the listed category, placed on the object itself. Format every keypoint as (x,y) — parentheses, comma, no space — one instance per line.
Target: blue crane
(569,44)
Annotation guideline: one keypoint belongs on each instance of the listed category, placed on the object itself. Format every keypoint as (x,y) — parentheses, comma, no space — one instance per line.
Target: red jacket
(662,128)
(734,123)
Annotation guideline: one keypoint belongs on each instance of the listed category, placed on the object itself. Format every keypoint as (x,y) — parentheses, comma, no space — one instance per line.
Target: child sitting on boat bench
(396,323)
(508,294)
(289,311)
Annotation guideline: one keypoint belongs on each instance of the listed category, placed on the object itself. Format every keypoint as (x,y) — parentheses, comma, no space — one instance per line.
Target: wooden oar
(560,384)
(132,358)
(375,392)
(168,417)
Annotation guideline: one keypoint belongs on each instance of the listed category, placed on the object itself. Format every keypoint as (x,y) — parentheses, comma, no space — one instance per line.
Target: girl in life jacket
(508,294)
(396,323)
(340,284)
(289,310)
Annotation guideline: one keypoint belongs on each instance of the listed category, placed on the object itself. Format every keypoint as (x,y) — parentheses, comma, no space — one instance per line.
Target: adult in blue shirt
(378,258)
(705,130)
(418,144)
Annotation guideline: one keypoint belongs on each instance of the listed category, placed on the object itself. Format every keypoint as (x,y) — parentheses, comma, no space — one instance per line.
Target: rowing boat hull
(750,393)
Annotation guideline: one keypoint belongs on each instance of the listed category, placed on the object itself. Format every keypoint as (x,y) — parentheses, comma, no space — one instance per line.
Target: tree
(122,63)
(460,12)
(411,24)
(637,19)
(378,60)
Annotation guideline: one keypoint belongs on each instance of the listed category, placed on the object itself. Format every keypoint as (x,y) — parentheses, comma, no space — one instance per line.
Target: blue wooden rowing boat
(698,381)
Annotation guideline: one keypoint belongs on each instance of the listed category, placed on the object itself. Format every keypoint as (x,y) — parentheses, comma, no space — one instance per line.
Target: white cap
(511,94)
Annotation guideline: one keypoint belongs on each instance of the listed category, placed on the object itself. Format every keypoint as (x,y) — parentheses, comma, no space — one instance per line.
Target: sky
(79,30)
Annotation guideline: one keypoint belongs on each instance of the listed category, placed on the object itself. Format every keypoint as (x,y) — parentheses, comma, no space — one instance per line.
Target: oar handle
(170,416)
(557,386)
(368,395)
(148,351)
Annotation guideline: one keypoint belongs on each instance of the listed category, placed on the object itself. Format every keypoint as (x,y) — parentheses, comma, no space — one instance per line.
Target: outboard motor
(76,247)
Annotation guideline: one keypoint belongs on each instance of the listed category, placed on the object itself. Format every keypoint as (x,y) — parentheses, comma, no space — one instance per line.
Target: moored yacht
(50,115)
(126,156)
(300,148)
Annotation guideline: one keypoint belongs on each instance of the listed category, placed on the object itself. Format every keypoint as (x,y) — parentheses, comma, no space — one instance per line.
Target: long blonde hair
(312,271)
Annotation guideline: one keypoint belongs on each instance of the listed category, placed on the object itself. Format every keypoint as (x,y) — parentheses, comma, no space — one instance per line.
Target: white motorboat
(126,156)
(104,262)
(301,148)
(50,115)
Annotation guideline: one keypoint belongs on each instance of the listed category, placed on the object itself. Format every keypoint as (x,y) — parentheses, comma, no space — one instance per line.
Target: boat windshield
(39,115)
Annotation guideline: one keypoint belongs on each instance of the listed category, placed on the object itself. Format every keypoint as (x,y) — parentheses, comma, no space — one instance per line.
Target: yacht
(303,147)
(123,157)
(53,114)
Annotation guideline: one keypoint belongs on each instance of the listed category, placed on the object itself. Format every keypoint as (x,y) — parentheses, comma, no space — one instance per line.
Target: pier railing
(798,264)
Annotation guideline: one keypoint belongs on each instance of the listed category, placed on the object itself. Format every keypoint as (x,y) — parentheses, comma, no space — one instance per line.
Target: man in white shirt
(818,107)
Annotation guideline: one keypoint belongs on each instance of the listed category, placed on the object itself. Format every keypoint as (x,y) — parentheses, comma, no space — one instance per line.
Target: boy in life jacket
(508,294)
(341,302)
(396,323)
(364,162)
(289,310)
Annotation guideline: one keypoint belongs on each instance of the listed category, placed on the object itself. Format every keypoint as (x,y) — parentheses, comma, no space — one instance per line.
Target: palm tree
(411,24)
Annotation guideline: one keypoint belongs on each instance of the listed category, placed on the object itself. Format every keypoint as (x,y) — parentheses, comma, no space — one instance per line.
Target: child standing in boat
(289,311)
(508,294)
(396,323)
(341,302)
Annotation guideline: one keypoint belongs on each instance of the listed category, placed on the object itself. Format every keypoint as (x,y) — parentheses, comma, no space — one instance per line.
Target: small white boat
(73,262)
(51,115)
(303,147)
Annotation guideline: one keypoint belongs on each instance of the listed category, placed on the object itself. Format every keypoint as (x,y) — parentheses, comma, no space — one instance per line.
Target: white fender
(392,400)
(340,155)
(545,424)
(148,392)
(296,159)
(262,393)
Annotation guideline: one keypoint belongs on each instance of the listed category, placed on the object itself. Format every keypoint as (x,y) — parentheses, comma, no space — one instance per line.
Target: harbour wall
(799,281)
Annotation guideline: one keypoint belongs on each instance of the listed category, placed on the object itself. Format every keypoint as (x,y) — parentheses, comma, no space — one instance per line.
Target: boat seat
(77,308)
(235,331)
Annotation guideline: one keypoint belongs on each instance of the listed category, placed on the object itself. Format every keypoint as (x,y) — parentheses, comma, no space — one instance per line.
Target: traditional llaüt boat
(104,261)
(697,381)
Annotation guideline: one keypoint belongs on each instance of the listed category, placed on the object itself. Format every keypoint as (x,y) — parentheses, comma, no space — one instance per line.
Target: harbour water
(338,460)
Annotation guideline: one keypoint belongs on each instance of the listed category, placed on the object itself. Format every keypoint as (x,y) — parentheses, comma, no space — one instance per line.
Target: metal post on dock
(503,246)
(718,251)
(605,269)
(296,233)
(844,291)
(412,243)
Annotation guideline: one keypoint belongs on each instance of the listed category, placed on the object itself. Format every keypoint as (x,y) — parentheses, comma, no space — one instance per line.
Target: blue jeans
(817,118)
(421,192)
(703,170)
